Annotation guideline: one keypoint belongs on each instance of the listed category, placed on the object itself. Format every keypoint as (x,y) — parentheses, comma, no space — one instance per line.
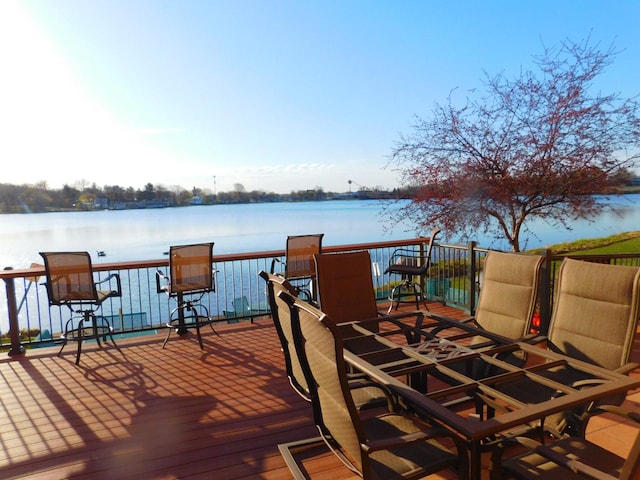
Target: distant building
(101,203)
(196,200)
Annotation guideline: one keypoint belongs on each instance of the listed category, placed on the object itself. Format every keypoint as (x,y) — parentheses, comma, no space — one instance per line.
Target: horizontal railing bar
(230,257)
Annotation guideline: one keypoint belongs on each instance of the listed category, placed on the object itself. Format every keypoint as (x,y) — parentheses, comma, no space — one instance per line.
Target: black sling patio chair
(346,293)
(70,283)
(389,444)
(364,396)
(298,266)
(191,276)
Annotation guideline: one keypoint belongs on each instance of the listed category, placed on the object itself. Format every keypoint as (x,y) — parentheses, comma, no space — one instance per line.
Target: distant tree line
(37,198)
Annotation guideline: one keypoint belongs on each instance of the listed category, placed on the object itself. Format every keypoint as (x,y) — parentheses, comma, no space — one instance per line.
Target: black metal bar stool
(410,264)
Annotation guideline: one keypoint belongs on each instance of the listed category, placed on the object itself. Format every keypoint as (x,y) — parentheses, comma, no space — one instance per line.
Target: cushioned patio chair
(363,396)
(191,276)
(506,305)
(298,264)
(409,264)
(571,458)
(70,283)
(508,295)
(594,319)
(384,445)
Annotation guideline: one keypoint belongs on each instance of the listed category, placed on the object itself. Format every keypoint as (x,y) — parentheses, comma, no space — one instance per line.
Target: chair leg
(198,332)
(214,330)
(201,320)
(397,289)
(169,326)
(197,320)
(79,340)
(66,335)
(288,450)
(64,343)
(420,297)
(94,324)
(110,333)
(79,351)
(406,289)
(166,339)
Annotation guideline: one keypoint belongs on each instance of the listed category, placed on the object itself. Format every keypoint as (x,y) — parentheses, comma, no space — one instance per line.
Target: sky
(275,95)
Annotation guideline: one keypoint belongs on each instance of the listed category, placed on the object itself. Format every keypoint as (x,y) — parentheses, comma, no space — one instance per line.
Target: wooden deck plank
(142,412)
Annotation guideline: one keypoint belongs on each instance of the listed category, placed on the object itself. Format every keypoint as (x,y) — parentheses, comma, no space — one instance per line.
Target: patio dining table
(460,377)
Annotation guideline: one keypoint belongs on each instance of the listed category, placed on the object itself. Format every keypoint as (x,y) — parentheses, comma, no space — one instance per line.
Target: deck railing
(26,319)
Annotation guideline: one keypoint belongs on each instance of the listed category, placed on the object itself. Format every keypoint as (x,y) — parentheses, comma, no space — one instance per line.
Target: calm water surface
(147,234)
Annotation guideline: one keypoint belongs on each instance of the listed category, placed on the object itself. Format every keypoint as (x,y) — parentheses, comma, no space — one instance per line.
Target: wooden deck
(178,413)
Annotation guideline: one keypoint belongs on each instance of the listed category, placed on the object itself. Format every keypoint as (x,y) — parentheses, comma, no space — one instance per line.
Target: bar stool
(410,264)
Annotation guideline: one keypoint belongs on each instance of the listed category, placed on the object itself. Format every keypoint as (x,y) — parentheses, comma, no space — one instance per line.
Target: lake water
(146,234)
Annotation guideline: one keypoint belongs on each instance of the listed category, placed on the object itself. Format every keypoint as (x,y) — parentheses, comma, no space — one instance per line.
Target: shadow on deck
(178,413)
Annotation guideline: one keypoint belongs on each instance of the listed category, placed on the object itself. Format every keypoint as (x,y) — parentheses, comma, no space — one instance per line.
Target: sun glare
(50,124)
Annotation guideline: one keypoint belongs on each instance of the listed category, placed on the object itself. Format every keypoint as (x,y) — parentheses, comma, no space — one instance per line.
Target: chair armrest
(411,331)
(396,317)
(427,434)
(615,410)
(534,339)
(273,264)
(357,383)
(399,255)
(627,368)
(390,442)
(402,258)
(381,318)
(118,290)
(562,460)
(435,316)
(162,288)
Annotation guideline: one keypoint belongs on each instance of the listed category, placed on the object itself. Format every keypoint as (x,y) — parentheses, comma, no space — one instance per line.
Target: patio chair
(363,396)
(506,305)
(594,319)
(383,445)
(571,458)
(346,293)
(191,276)
(282,322)
(410,264)
(508,294)
(70,283)
(298,265)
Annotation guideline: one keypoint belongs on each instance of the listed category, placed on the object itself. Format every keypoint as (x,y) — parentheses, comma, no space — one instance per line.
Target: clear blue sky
(273,94)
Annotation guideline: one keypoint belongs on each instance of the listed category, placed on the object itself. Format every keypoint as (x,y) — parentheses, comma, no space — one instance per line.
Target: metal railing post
(14,327)
(473,268)
(421,278)
(545,293)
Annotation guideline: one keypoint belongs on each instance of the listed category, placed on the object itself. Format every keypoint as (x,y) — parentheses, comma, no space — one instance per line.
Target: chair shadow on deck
(150,418)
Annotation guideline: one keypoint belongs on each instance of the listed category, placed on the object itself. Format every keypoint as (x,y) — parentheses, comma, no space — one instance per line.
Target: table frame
(394,360)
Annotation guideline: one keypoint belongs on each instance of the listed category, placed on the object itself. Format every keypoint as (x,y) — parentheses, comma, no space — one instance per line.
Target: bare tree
(535,146)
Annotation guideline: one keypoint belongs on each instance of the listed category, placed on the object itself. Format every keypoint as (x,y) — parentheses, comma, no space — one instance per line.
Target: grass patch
(626,242)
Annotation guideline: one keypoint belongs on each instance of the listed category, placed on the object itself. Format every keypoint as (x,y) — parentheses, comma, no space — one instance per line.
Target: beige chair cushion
(508,293)
(595,312)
